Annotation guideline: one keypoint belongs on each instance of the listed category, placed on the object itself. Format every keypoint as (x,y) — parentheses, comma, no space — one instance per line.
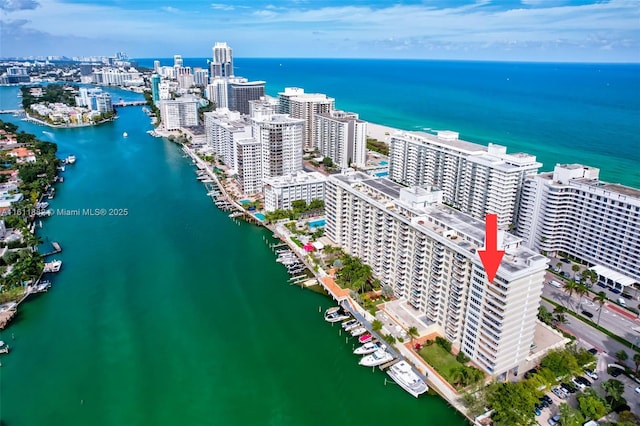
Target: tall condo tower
(177,61)
(222,65)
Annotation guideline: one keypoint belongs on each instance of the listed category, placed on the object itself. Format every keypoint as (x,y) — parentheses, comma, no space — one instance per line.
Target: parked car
(638,389)
(626,295)
(615,372)
(583,380)
(621,302)
(537,411)
(578,383)
(554,420)
(591,373)
(543,404)
(560,392)
(548,399)
(567,387)
(594,351)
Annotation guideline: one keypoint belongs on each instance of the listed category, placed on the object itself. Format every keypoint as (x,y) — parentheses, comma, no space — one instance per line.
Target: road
(612,318)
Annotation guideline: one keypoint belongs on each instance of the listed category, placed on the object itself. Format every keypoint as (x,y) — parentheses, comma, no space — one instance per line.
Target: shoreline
(65,126)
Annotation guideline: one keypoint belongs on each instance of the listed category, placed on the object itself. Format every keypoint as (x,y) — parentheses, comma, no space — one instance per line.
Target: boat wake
(50,134)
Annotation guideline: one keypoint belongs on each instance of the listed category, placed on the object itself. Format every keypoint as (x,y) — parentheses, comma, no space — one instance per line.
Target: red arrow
(491,256)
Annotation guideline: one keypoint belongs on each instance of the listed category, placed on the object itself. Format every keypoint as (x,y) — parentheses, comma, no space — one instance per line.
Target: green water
(174,313)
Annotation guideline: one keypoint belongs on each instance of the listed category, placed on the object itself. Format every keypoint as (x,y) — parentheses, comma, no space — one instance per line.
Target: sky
(503,30)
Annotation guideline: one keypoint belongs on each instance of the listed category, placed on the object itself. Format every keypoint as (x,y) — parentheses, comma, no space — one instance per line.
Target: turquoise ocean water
(175,314)
(562,113)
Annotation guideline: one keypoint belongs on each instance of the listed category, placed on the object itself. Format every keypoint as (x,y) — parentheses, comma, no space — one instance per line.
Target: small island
(58,105)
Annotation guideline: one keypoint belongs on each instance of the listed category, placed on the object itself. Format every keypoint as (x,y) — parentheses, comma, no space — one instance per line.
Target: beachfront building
(241,91)
(200,77)
(342,137)
(185,77)
(155,88)
(222,64)
(224,129)
(571,212)
(474,178)
(179,112)
(427,252)
(266,106)
(117,77)
(305,106)
(279,192)
(281,139)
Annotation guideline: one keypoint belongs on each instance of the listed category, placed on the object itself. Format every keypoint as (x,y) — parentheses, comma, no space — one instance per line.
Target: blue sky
(519,30)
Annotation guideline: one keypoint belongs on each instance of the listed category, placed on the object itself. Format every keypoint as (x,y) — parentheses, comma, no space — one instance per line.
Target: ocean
(176,314)
(561,113)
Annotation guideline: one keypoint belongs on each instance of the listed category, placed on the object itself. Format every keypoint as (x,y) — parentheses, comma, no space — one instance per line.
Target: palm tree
(571,286)
(622,355)
(575,269)
(601,298)
(581,290)
(376,325)
(614,388)
(413,332)
(636,361)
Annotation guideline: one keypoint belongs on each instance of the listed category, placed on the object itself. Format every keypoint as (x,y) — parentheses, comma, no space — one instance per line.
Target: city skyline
(513,30)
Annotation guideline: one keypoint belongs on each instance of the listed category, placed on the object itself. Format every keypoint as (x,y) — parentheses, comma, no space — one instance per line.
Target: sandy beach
(380,132)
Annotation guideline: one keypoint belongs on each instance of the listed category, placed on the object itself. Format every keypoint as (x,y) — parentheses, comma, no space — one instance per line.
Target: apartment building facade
(427,252)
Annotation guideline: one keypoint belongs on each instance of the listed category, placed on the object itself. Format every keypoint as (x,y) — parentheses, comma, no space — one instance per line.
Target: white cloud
(11,5)
(221,6)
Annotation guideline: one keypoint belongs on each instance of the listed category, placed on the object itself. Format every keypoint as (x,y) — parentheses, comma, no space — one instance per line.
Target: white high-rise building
(427,252)
(200,77)
(473,178)
(222,65)
(249,171)
(280,192)
(179,112)
(342,137)
(184,77)
(281,139)
(264,107)
(177,61)
(224,130)
(305,106)
(572,212)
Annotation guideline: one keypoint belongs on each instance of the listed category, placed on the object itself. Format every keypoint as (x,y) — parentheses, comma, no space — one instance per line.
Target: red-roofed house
(23,155)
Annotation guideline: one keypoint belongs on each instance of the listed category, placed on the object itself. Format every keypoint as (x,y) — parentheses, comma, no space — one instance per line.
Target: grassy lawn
(442,361)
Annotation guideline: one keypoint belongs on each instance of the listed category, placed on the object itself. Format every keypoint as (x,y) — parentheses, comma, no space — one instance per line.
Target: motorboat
(350,323)
(367,348)
(379,357)
(402,373)
(53,266)
(71,159)
(4,348)
(365,338)
(359,331)
(335,314)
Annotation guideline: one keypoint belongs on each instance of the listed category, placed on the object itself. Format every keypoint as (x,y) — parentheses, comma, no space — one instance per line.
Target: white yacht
(335,314)
(53,266)
(379,357)
(347,325)
(71,159)
(359,331)
(368,348)
(402,373)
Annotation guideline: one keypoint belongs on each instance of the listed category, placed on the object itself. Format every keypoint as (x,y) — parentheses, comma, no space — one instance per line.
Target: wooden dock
(388,364)
(6,316)
(55,249)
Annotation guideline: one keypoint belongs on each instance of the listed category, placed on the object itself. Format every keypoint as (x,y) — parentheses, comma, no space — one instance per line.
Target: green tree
(622,355)
(581,291)
(600,298)
(575,269)
(544,315)
(413,332)
(376,325)
(636,361)
(591,405)
(512,403)
(614,389)
(560,362)
(570,416)
(571,287)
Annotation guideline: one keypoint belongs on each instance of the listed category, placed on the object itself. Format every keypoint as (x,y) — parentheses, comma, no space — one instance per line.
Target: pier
(55,249)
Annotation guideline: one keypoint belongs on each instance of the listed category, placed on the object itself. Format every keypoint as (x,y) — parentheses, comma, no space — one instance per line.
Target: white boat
(351,323)
(53,266)
(71,159)
(358,331)
(335,314)
(368,348)
(379,357)
(4,348)
(402,373)
(125,134)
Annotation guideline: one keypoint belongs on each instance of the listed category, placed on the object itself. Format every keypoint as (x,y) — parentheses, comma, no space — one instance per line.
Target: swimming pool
(383,163)
(317,223)
(245,201)
(260,216)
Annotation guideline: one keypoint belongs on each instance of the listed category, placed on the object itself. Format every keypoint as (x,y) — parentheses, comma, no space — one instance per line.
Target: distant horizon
(170,57)
(552,31)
